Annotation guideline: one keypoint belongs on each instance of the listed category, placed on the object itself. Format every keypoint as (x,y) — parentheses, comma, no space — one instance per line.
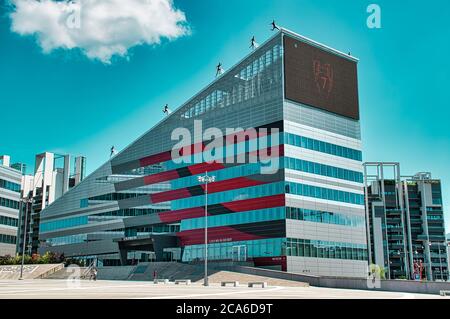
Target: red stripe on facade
(160,177)
(194,148)
(215,235)
(256,203)
(178,215)
(170,195)
(203,167)
(229,184)
(235,206)
(233,183)
(154,159)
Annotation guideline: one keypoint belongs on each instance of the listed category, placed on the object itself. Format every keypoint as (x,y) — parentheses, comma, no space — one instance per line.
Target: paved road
(61,289)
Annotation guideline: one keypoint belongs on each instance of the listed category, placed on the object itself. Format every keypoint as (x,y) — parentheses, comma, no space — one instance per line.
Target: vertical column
(66,174)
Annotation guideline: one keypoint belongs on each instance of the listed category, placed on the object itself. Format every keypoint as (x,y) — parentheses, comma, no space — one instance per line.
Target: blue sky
(64,102)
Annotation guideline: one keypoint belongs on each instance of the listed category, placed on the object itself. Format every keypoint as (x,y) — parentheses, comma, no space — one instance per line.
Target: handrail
(88,270)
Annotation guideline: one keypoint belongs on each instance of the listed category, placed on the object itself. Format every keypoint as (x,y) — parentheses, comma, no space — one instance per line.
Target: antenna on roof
(253,44)
(274,26)
(219,69)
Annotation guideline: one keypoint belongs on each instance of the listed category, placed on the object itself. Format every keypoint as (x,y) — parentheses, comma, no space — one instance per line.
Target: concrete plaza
(104,289)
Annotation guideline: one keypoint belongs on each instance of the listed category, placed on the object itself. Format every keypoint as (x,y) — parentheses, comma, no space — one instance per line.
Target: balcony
(422,237)
(393,212)
(434,237)
(396,237)
(435,222)
(436,229)
(395,246)
(443,254)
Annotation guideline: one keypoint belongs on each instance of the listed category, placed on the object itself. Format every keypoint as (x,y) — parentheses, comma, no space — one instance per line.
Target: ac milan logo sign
(323,76)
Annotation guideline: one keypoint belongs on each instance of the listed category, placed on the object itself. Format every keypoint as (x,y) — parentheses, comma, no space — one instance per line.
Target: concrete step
(66,273)
(174,271)
(243,279)
(33,271)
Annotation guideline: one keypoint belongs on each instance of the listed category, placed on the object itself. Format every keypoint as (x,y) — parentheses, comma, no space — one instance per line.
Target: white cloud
(100,28)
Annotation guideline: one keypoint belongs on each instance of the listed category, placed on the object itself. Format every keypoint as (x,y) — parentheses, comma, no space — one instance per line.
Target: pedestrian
(155,274)
(94,273)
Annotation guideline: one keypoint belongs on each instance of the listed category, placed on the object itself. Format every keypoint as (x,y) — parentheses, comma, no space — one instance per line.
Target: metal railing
(86,274)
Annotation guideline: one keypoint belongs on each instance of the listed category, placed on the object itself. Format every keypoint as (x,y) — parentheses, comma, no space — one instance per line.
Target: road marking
(69,288)
(212,294)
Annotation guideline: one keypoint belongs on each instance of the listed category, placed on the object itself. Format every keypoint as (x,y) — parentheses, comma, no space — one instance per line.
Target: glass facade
(63,223)
(253,216)
(66,240)
(224,251)
(275,213)
(324,193)
(324,217)
(325,249)
(221,175)
(284,162)
(249,82)
(322,169)
(96,218)
(228,196)
(321,146)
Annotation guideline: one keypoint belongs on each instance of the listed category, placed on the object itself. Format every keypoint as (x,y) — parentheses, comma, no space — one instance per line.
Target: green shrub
(47,258)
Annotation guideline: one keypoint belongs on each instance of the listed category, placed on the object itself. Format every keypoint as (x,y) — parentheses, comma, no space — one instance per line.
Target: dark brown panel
(320,79)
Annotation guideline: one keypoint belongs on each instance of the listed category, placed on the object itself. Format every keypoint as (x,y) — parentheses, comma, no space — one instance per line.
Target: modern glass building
(406,218)
(288,190)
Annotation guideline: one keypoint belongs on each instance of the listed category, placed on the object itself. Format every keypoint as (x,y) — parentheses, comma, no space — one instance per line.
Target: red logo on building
(323,76)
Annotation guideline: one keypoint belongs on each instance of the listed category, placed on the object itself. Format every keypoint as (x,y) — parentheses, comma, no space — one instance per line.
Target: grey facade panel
(83,229)
(92,248)
(320,119)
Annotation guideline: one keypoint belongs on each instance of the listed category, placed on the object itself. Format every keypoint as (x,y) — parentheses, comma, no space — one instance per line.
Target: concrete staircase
(66,273)
(166,270)
(174,270)
(33,271)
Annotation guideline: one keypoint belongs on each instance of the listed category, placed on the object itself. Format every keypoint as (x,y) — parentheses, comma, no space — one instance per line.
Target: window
(323,147)
(8,221)
(9,203)
(325,249)
(8,239)
(324,193)
(10,185)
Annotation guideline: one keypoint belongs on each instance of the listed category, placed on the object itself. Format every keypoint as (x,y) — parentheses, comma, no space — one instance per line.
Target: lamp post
(28,200)
(205,179)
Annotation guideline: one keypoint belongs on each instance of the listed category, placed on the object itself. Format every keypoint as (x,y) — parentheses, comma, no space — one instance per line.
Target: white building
(54,174)
(10,187)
